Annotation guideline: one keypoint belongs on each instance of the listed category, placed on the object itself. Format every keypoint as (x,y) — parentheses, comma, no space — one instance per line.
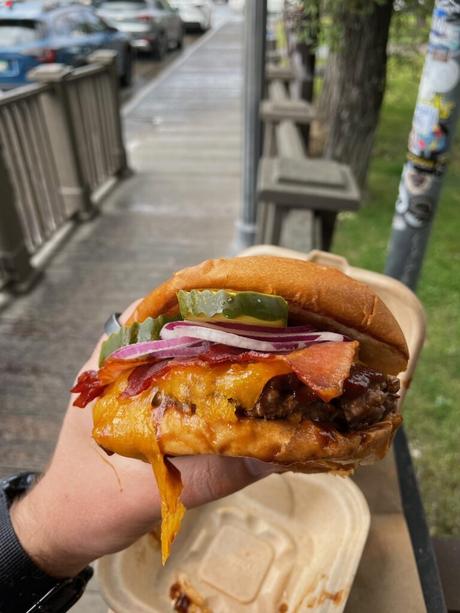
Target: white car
(273,6)
(195,14)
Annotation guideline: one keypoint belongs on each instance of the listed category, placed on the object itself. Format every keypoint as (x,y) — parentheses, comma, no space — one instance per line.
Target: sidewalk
(178,208)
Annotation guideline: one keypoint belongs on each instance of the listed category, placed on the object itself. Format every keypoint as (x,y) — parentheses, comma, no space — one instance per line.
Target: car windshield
(17,32)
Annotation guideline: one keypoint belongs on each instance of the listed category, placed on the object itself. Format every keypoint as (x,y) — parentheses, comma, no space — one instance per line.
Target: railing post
(14,255)
(108,58)
(75,190)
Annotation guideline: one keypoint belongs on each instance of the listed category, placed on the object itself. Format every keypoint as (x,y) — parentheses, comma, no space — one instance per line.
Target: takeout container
(289,543)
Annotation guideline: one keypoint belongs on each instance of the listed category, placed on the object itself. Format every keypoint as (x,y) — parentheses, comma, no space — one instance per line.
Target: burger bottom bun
(304,446)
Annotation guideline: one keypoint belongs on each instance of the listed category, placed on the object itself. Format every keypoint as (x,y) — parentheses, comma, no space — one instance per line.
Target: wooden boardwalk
(179,207)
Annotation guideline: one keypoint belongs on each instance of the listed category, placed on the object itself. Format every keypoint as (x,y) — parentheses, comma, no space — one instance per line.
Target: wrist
(39,533)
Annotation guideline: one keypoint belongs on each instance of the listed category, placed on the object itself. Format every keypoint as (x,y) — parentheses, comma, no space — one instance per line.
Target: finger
(207,478)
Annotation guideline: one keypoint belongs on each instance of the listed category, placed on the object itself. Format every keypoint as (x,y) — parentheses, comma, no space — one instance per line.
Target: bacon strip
(323,367)
(218,354)
(112,368)
(142,377)
(88,387)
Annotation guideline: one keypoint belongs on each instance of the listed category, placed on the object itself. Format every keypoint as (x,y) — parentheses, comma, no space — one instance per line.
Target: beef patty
(368,397)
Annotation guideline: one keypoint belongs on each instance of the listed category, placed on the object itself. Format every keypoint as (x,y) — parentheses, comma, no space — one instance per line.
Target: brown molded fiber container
(291,542)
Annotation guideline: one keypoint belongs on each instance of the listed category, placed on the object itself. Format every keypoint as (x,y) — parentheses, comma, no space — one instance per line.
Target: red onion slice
(214,334)
(256,332)
(183,347)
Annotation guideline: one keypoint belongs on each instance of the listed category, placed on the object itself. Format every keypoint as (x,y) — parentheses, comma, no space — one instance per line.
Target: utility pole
(253,89)
(433,129)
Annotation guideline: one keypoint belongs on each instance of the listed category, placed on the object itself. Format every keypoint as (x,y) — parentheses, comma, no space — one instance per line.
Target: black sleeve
(22,583)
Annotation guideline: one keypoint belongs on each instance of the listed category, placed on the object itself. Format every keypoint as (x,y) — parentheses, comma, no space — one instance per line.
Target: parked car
(152,25)
(38,33)
(196,14)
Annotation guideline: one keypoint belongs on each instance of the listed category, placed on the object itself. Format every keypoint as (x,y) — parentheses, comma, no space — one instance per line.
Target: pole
(433,129)
(254,78)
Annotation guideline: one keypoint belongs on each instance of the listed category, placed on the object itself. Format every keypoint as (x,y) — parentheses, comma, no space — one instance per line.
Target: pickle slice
(110,345)
(148,330)
(242,307)
(128,334)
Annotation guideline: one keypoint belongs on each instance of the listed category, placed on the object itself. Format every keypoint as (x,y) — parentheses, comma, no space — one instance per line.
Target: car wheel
(127,76)
(161,47)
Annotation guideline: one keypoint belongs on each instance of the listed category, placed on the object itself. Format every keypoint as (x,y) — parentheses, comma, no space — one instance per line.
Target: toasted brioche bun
(316,294)
(128,429)
(274,440)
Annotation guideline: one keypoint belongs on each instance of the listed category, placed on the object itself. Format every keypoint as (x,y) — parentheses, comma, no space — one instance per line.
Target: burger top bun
(322,296)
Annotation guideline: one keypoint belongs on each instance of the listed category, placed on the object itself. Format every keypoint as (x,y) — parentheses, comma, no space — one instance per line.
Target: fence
(93,106)
(61,142)
(28,155)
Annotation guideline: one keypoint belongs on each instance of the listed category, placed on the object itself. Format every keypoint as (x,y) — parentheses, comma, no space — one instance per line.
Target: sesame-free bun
(322,296)
(305,446)
(127,428)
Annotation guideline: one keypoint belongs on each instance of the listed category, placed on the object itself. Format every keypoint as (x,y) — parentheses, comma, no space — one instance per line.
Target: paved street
(183,139)
(146,68)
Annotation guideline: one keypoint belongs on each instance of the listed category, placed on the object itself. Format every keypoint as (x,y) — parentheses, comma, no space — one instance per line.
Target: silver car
(152,25)
(196,14)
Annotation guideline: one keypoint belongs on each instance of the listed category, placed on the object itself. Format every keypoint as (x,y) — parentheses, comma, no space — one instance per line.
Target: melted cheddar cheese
(114,417)
(215,391)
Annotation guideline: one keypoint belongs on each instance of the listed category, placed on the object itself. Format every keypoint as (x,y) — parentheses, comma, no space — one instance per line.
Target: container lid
(291,542)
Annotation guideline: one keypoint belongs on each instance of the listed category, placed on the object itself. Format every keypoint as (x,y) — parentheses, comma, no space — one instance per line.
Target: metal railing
(61,143)
(93,106)
(30,160)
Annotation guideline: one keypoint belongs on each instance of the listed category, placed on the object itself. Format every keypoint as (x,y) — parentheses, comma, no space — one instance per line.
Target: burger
(265,357)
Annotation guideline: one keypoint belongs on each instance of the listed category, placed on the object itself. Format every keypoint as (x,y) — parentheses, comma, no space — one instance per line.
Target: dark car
(152,25)
(37,33)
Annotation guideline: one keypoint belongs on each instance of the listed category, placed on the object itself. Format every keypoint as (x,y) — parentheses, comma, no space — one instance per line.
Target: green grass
(431,413)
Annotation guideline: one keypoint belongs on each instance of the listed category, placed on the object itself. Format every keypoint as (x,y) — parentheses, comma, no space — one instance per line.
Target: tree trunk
(354,86)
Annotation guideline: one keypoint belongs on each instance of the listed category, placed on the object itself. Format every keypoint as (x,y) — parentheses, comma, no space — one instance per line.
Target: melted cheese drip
(126,425)
(216,391)
(113,417)
(172,510)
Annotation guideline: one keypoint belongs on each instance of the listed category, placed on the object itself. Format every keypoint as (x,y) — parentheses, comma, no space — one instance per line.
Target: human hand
(89,504)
